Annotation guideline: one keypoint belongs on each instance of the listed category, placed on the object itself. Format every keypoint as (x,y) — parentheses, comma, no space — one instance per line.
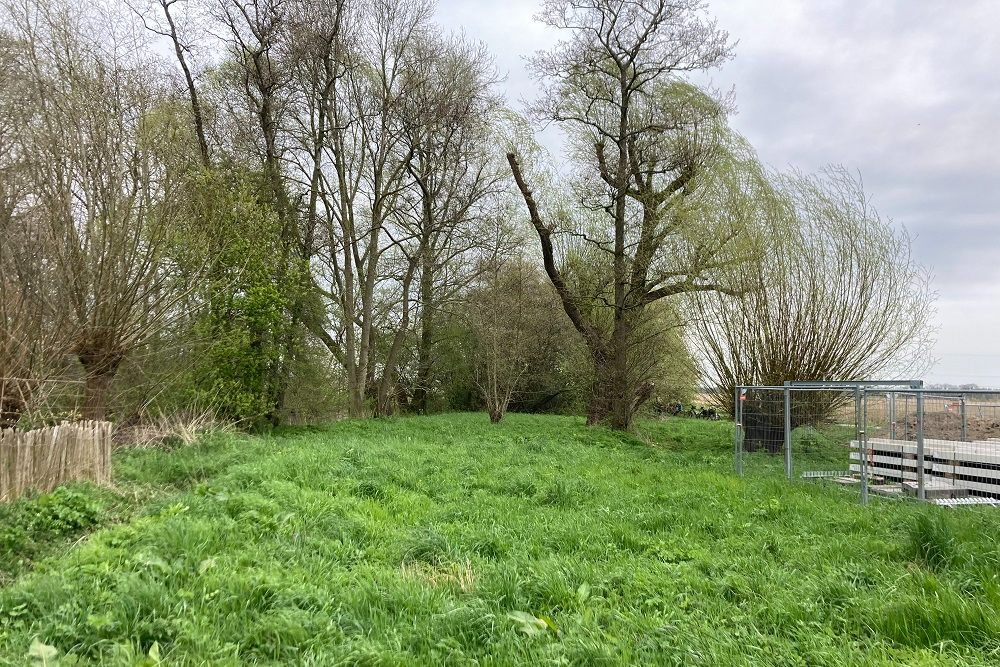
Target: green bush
(250,288)
(29,527)
(65,511)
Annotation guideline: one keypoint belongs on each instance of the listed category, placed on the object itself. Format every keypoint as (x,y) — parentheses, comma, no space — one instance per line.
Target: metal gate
(809,430)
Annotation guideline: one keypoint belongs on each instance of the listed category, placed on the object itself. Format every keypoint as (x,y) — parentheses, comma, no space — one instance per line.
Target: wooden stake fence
(45,458)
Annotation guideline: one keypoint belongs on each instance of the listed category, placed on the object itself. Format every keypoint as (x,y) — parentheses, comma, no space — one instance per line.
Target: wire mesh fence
(805,432)
(941,446)
(892,438)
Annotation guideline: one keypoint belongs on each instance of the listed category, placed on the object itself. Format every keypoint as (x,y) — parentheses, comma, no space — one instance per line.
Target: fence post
(906,412)
(857,424)
(788,433)
(965,422)
(741,435)
(738,413)
(891,400)
(863,450)
(921,491)
(857,413)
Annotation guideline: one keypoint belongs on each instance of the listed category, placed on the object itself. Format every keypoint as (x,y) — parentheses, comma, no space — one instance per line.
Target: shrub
(65,511)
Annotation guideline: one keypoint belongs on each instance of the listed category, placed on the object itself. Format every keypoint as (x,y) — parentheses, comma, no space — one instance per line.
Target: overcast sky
(905,92)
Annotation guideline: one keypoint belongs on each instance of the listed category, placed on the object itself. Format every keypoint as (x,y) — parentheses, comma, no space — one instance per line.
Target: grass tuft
(931,541)
(429,547)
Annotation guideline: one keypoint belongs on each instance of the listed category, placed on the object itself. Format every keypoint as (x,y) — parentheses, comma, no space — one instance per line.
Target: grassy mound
(445,540)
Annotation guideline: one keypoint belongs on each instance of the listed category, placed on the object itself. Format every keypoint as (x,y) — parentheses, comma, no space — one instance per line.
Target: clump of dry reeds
(180,428)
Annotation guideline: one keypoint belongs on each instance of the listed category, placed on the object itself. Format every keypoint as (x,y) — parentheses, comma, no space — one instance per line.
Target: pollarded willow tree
(101,203)
(658,181)
(834,295)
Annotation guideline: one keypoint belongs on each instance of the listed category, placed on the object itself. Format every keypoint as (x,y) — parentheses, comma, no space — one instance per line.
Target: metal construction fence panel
(940,446)
(804,432)
(893,439)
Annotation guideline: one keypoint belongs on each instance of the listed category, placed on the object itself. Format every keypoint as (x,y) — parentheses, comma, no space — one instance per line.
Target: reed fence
(42,459)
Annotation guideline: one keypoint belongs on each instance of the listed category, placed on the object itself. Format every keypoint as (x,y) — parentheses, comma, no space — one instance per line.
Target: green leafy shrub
(65,511)
(29,527)
(250,288)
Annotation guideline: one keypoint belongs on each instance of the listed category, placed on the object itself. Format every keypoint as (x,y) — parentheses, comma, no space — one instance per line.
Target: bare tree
(29,342)
(319,53)
(32,340)
(171,29)
(648,146)
(365,177)
(449,118)
(499,317)
(32,344)
(835,295)
(253,38)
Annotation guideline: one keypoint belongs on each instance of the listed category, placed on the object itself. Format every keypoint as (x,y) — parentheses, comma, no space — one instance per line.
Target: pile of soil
(948,426)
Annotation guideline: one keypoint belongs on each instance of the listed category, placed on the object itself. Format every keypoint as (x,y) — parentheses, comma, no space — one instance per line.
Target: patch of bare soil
(948,426)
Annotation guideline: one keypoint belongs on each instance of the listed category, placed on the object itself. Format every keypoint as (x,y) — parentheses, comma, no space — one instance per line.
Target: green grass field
(445,540)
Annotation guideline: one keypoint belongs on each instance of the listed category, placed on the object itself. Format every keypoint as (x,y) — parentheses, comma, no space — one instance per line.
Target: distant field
(445,540)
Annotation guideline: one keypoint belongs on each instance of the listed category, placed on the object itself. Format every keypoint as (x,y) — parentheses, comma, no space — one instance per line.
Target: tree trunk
(622,410)
(599,403)
(424,360)
(384,387)
(613,394)
(764,427)
(356,408)
(623,385)
(97,386)
(100,367)
(385,403)
(196,112)
(611,402)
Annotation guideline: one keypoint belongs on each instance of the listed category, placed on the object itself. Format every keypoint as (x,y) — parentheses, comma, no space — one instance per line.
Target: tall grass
(931,541)
(445,540)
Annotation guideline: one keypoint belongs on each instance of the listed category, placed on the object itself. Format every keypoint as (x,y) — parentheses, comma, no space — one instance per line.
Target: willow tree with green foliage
(835,294)
(655,169)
